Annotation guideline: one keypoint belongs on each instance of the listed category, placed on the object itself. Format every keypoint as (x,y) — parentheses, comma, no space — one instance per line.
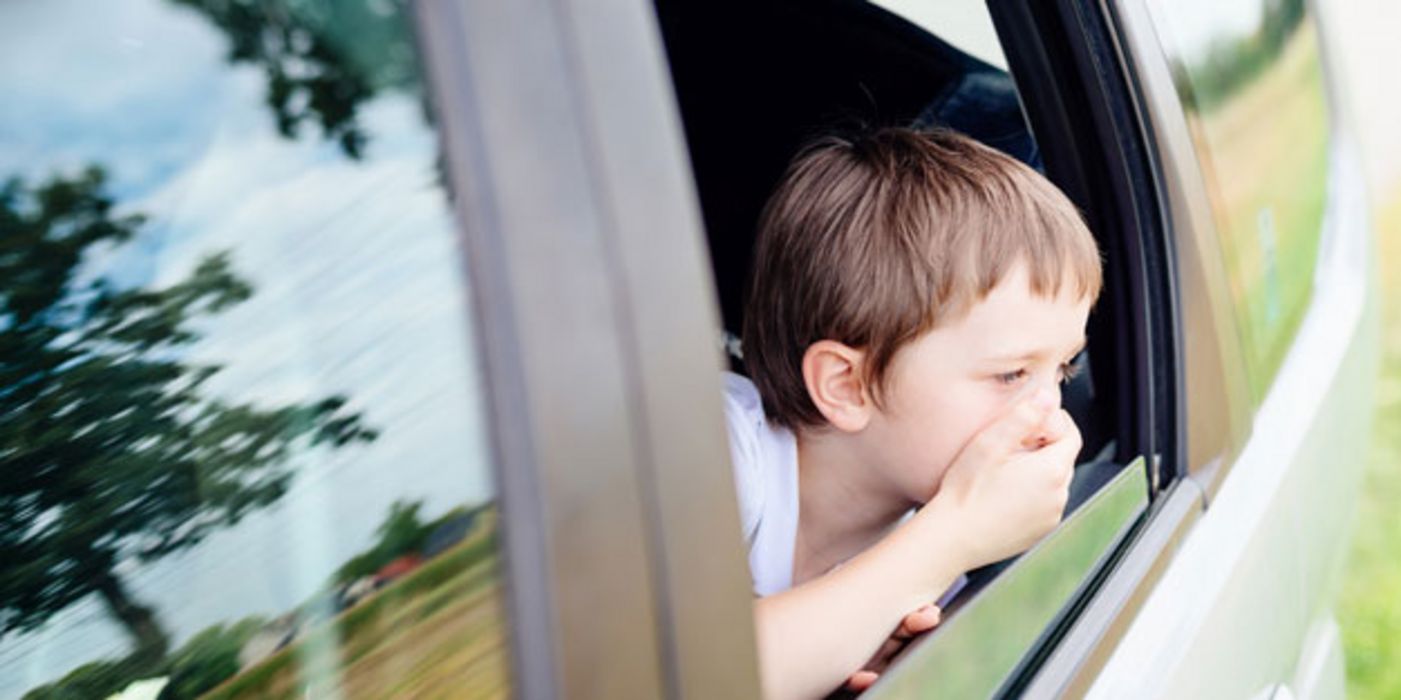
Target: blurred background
(1369,609)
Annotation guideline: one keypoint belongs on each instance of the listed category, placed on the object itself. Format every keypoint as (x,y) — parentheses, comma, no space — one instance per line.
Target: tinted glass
(242,444)
(1250,80)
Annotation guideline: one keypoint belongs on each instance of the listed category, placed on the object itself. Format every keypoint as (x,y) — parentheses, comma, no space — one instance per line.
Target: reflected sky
(357,285)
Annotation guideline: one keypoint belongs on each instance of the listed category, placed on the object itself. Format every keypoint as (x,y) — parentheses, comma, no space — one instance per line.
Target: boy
(916,301)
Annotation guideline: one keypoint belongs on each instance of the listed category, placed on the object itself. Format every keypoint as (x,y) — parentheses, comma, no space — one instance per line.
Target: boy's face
(948,384)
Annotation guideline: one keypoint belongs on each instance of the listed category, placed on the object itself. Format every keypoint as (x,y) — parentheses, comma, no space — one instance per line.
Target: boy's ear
(835,375)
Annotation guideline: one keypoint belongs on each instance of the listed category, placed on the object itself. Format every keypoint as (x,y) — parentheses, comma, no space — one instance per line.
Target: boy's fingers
(861,680)
(1063,452)
(918,622)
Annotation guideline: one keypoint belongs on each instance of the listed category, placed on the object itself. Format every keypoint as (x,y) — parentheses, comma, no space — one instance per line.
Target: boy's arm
(813,636)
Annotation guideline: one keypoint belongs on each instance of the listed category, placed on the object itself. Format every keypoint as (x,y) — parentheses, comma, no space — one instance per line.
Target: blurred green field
(1370,608)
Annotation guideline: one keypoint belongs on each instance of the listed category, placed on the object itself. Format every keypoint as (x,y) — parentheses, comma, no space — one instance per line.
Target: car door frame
(621,539)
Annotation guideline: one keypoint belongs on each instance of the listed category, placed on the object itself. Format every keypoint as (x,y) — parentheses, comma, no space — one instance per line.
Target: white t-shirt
(765,459)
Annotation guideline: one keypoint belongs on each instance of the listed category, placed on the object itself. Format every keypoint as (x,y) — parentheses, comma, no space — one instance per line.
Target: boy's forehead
(1012,321)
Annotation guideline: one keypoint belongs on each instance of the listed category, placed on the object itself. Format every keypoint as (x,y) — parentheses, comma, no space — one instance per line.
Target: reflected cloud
(125,84)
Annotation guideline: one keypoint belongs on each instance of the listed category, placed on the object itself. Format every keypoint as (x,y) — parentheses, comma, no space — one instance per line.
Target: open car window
(789,71)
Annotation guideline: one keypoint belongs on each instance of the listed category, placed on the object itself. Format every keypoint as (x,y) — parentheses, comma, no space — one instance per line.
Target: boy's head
(874,247)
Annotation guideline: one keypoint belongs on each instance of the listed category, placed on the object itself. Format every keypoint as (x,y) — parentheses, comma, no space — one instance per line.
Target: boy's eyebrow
(1041,352)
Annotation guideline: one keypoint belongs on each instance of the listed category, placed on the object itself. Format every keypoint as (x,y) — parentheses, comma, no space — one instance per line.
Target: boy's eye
(1068,371)
(1011,377)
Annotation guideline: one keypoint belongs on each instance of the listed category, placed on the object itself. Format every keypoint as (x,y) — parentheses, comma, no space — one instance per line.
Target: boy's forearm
(813,636)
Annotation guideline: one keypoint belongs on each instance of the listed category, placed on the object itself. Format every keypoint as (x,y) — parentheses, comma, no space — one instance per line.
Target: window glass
(241,426)
(1251,82)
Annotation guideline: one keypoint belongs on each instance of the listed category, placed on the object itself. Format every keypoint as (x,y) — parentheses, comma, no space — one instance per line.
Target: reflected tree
(322,59)
(402,532)
(111,448)
(1231,63)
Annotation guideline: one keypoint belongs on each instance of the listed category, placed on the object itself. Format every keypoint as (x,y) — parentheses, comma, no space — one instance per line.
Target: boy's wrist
(934,538)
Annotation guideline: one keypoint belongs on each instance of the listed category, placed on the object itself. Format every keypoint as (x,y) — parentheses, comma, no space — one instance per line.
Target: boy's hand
(914,624)
(1008,486)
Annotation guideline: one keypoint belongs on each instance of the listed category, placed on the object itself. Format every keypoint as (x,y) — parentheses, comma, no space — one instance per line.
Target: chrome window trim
(970,655)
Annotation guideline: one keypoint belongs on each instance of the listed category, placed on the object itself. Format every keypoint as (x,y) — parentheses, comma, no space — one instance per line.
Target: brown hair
(875,239)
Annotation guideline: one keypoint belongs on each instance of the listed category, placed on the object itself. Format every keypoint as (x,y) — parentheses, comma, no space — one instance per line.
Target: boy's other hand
(916,623)
(1009,485)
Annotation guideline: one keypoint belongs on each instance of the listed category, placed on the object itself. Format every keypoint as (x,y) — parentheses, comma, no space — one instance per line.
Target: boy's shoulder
(765,460)
(741,393)
(750,434)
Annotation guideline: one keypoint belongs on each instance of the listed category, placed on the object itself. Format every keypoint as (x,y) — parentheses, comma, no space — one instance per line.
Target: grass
(436,633)
(1370,609)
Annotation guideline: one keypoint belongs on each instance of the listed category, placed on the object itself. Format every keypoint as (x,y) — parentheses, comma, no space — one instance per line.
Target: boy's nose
(1051,388)
(1046,395)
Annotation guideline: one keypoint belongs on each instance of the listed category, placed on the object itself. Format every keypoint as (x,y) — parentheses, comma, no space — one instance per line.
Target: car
(288,289)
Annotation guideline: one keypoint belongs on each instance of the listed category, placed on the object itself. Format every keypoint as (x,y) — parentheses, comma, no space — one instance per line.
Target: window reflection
(241,435)
(1250,77)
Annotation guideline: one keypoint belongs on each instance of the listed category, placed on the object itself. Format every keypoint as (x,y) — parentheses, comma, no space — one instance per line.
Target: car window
(241,426)
(1250,80)
(802,69)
